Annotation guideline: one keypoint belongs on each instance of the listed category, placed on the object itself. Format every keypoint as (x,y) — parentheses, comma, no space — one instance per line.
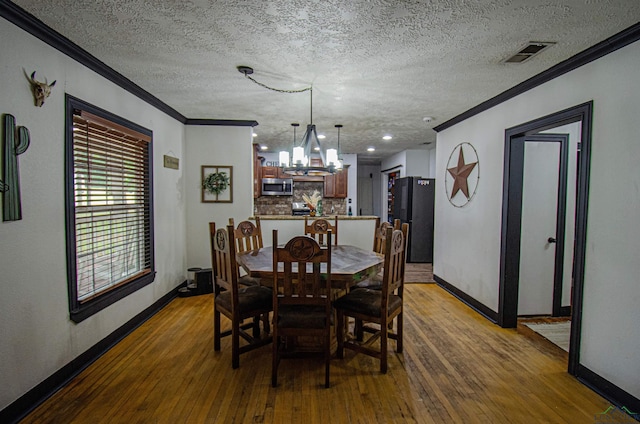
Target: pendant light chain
(302,90)
(311,108)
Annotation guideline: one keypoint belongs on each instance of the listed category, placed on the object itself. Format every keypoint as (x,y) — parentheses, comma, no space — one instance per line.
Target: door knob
(551,240)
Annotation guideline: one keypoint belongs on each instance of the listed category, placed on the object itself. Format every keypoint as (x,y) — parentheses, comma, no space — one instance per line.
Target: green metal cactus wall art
(15,142)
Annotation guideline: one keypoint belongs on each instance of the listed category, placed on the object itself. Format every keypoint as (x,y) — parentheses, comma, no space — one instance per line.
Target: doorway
(511,237)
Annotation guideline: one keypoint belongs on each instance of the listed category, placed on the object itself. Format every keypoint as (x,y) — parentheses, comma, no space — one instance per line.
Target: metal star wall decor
(462,176)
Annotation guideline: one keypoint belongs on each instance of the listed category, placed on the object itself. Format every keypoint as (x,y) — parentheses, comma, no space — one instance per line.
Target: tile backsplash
(281,205)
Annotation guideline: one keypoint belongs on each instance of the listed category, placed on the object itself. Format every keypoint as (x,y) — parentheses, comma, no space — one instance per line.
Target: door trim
(509,260)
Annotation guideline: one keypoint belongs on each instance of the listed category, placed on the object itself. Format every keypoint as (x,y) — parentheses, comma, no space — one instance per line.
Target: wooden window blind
(112,207)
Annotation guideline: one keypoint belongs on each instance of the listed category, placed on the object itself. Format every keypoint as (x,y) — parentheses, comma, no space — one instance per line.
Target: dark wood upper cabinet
(270,172)
(336,185)
(273,172)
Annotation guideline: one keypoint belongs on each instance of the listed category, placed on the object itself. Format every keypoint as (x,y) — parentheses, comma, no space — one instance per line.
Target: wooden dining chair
(247,236)
(319,228)
(236,302)
(376,306)
(301,296)
(380,233)
(379,236)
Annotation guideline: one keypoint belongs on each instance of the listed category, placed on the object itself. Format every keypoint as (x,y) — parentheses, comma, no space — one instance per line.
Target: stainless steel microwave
(277,186)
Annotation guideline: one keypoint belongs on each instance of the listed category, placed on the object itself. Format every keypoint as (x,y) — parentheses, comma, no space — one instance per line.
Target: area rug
(415,273)
(557,333)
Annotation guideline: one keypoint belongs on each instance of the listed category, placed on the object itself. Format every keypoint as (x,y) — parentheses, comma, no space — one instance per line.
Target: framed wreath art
(217,184)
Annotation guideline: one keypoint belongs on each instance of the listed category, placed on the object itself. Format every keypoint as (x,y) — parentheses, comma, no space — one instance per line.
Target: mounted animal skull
(41,90)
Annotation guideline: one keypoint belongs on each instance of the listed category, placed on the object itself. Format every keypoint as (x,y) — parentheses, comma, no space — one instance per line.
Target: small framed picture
(217,184)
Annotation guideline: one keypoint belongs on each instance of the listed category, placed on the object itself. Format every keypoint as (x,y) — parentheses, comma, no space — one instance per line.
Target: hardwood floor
(457,367)
(418,273)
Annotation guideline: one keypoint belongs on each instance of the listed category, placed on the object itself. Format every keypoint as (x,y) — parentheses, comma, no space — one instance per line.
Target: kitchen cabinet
(336,185)
(274,172)
(270,172)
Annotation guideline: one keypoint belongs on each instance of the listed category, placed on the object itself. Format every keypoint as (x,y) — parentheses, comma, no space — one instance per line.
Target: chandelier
(298,160)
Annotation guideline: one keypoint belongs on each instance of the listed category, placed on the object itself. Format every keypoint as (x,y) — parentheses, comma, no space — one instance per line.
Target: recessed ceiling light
(317,149)
(322,136)
(387,137)
(254,135)
(371,149)
(263,147)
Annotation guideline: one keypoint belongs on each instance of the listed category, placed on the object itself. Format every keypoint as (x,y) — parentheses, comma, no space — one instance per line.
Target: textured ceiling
(377,66)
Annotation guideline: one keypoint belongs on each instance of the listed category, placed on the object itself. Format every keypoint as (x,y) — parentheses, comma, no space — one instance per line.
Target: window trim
(80,311)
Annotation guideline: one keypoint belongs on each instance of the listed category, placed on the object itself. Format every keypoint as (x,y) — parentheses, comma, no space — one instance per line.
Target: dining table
(349,264)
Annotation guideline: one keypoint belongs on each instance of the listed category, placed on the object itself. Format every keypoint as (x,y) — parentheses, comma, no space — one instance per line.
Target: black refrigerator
(414,200)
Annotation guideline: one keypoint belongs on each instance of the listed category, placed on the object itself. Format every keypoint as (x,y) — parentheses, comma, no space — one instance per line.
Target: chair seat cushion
(247,280)
(366,301)
(301,316)
(249,299)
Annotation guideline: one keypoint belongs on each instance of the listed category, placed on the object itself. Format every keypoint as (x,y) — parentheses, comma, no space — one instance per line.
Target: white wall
(467,240)
(432,163)
(216,145)
(410,163)
(417,161)
(38,338)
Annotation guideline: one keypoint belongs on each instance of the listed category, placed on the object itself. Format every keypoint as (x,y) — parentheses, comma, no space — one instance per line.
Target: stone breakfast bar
(352,230)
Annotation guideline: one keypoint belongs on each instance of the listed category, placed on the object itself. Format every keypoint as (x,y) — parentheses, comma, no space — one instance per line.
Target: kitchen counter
(352,230)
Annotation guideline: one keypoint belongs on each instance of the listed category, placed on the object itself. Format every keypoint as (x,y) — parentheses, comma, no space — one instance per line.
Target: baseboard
(34,397)
(623,401)
(468,300)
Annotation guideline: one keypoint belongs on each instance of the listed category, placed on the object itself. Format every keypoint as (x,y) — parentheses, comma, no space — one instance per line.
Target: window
(109,208)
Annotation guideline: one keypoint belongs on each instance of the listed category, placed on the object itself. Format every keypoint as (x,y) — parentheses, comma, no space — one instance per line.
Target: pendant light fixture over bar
(298,161)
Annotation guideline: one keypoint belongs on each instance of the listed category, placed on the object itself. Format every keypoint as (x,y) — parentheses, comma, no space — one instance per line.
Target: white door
(365,196)
(539,216)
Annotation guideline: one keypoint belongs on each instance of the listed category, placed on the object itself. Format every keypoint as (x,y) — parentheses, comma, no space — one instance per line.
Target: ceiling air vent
(530,50)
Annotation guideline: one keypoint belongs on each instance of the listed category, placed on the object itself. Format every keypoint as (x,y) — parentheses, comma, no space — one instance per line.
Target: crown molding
(226,122)
(603,48)
(40,30)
